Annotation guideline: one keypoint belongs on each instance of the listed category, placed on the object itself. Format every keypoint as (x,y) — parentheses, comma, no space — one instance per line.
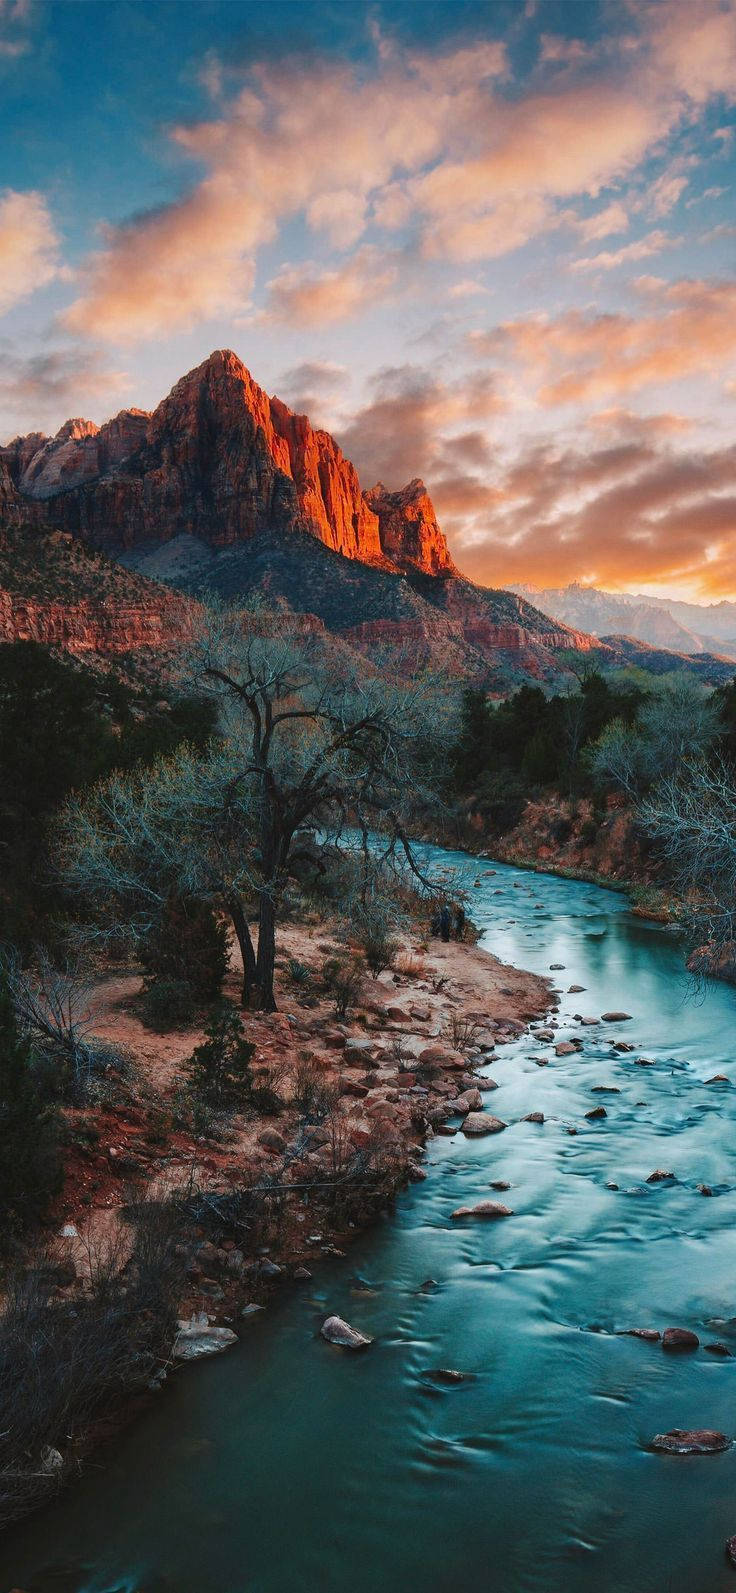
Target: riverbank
(347,1106)
(572,840)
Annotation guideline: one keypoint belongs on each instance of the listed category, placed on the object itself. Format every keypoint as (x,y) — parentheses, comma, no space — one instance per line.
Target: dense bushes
(504,750)
(64,1360)
(62,727)
(30,1167)
(188,943)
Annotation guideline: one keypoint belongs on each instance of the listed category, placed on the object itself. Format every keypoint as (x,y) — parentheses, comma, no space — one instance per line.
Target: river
(287,1466)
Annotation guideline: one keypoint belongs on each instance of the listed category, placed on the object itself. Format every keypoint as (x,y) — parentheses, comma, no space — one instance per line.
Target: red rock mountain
(221,461)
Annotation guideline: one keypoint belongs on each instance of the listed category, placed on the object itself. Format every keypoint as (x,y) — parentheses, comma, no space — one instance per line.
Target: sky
(488,244)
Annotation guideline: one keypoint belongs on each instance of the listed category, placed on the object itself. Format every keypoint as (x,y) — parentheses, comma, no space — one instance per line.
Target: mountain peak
(220,460)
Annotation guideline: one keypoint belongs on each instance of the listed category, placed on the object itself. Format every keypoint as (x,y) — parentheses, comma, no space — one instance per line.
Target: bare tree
(676,723)
(53,1006)
(313,748)
(692,817)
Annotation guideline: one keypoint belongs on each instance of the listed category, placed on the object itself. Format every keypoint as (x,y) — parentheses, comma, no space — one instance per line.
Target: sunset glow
(489,244)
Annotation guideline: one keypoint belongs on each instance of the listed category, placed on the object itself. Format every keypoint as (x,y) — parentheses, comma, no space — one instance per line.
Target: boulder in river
(659,1176)
(691,1441)
(704,1189)
(337,1331)
(731,1550)
(566,1048)
(478,1123)
(651,1335)
(596,1112)
(679,1339)
(575,990)
(500,1183)
(616,1017)
(485,1208)
(718,1348)
(447,1375)
(533,1117)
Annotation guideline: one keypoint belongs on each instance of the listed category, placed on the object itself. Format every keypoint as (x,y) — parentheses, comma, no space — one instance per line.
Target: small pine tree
(219,1069)
(30,1164)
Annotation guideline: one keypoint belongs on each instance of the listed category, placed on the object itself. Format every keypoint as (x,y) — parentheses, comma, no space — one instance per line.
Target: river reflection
(287,1467)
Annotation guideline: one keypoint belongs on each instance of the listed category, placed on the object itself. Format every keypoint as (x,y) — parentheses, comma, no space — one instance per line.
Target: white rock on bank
(198,1337)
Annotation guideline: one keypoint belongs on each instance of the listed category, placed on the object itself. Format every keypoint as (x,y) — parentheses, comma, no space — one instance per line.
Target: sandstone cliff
(220,460)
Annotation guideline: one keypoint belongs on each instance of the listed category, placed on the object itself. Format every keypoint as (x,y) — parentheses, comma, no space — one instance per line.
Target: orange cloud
(417,424)
(28,246)
(418,139)
(304,296)
(625,513)
(581,356)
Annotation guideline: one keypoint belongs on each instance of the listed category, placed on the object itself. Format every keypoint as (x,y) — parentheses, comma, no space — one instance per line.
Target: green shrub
(219,1070)
(343,981)
(167,1004)
(373,934)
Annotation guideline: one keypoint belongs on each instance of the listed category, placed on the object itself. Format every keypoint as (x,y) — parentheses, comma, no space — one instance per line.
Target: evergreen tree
(219,1069)
(30,1167)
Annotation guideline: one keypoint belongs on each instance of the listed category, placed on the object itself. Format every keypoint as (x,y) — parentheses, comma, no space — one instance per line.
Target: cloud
(427,141)
(410,424)
(583,355)
(611,219)
(628,512)
(641,249)
(16,18)
(44,387)
(312,388)
(306,296)
(28,246)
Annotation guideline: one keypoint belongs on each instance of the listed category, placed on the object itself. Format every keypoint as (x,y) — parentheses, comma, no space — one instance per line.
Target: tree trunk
(266,953)
(242,931)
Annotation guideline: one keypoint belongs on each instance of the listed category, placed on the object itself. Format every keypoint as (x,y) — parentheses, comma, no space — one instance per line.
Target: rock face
(408,528)
(220,460)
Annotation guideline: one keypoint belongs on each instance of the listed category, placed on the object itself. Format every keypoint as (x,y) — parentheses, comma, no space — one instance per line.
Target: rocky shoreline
(257,1205)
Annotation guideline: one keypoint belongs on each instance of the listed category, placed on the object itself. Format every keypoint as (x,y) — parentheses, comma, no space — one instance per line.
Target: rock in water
(731,1550)
(447,1375)
(659,1176)
(336,1331)
(679,1339)
(616,1017)
(650,1334)
(197,1338)
(691,1441)
(482,1123)
(485,1208)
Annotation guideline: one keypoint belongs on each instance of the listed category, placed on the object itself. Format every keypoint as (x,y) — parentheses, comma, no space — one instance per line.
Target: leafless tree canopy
(692,816)
(311,746)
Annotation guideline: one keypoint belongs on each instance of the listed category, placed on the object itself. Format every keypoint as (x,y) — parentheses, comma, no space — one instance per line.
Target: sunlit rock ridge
(220,460)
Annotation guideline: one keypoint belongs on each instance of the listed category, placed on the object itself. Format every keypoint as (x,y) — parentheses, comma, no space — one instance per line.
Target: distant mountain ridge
(659,622)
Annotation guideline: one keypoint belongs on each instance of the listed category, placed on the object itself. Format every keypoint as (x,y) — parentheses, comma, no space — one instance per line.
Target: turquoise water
(287,1466)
